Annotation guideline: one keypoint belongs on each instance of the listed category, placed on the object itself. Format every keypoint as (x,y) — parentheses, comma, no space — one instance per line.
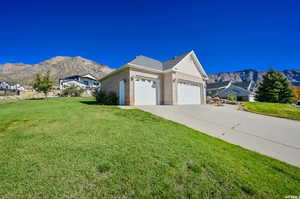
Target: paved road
(275,137)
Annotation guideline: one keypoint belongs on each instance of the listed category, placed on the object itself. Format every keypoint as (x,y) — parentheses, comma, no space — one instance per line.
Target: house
(4,85)
(85,82)
(212,89)
(244,91)
(146,81)
(10,88)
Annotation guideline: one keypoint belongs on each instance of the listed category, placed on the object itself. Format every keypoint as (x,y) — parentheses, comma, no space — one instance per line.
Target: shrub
(106,98)
(232,97)
(72,91)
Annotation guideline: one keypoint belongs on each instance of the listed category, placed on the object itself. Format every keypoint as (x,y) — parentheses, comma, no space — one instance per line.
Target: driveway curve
(275,137)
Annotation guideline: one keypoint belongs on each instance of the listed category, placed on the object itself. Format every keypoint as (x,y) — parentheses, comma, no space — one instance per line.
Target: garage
(188,93)
(146,91)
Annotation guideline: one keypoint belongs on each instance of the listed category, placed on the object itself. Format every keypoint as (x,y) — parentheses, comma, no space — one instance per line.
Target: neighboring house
(85,82)
(146,81)
(244,91)
(11,86)
(212,89)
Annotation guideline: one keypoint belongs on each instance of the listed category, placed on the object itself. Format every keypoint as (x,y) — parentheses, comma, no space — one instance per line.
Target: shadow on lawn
(89,102)
(40,98)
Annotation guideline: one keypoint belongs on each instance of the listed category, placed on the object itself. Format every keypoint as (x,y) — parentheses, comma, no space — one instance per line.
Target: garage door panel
(188,94)
(145,92)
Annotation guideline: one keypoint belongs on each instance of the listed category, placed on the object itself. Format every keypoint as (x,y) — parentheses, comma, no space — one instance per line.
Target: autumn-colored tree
(297,92)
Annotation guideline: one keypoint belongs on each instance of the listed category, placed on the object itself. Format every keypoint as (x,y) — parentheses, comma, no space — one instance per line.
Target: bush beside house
(106,98)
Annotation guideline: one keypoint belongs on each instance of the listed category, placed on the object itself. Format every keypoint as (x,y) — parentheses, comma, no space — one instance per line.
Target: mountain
(60,67)
(251,74)
(63,66)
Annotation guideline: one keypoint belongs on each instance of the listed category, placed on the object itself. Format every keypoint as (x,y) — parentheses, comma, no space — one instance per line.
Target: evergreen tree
(274,88)
(43,84)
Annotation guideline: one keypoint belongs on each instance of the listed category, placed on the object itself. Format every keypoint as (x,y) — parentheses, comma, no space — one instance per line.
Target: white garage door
(188,94)
(146,92)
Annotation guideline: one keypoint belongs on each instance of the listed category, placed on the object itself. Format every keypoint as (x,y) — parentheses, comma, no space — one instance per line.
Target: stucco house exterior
(146,81)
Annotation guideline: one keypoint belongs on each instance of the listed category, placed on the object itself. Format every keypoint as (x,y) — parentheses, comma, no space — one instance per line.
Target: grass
(273,109)
(67,148)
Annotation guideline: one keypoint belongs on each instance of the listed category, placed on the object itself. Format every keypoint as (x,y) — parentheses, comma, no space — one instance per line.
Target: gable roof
(147,62)
(78,76)
(217,85)
(248,85)
(155,64)
(243,84)
(236,90)
(90,76)
(151,64)
(174,61)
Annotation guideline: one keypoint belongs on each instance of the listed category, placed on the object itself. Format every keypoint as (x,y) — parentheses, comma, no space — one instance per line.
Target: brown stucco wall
(111,83)
(168,84)
(168,91)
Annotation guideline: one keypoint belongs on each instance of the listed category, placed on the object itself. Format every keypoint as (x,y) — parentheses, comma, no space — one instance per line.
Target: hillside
(60,67)
(63,66)
(251,74)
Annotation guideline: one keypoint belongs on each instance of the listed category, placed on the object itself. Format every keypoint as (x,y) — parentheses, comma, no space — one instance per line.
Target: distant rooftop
(217,85)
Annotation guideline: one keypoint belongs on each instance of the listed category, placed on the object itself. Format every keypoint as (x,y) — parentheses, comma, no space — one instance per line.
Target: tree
(297,92)
(43,84)
(274,88)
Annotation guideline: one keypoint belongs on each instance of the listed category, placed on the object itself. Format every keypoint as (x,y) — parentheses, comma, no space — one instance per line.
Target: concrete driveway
(275,137)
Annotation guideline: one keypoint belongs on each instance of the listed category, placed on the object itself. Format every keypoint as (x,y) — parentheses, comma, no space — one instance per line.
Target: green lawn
(273,109)
(71,148)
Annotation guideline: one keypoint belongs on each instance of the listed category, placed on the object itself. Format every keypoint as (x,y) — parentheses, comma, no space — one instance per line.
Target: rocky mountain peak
(59,66)
(250,74)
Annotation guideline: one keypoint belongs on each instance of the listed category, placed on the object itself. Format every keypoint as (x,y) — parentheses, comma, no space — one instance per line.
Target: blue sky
(226,35)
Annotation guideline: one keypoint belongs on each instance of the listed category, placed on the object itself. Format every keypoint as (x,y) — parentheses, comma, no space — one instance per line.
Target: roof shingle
(147,62)
(157,65)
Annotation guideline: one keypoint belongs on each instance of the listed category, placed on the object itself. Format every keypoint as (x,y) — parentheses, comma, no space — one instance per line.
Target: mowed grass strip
(70,148)
(273,109)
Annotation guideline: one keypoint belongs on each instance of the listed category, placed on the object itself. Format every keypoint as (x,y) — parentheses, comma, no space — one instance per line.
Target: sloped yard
(71,148)
(273,109)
